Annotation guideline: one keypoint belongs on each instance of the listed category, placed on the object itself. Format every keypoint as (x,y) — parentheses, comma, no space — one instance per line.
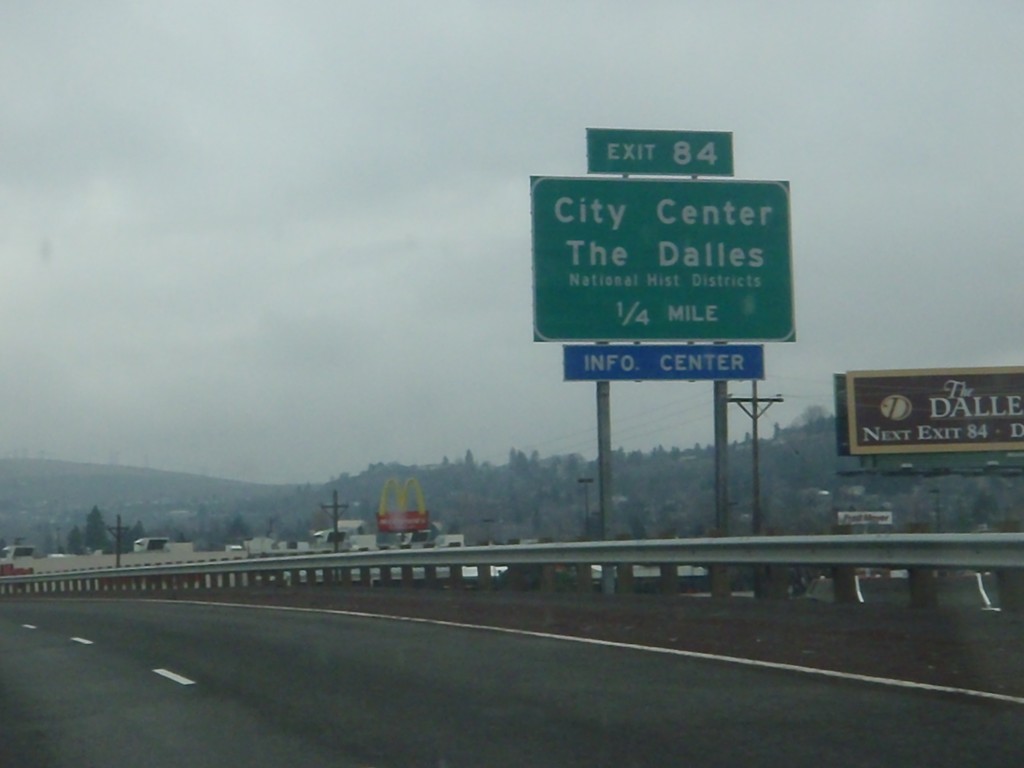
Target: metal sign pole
(721,410)
(604,477)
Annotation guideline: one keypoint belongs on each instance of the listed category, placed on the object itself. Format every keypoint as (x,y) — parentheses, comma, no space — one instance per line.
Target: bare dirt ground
(963,648)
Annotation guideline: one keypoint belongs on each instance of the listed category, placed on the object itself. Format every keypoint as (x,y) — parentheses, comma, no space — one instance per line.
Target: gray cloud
(283,240)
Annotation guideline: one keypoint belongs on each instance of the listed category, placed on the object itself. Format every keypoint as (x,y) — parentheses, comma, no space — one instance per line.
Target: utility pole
(755,408)
(116,531)
(335,508)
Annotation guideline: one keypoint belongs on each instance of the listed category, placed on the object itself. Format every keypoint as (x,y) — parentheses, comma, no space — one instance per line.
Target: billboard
(950,410)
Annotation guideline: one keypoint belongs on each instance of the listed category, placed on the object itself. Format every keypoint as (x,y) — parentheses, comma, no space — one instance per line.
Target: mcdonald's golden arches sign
(401,517)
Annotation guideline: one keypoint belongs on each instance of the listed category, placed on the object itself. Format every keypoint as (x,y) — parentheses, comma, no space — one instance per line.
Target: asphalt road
(257,687)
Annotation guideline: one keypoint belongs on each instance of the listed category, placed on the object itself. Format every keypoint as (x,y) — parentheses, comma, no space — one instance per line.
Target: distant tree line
(96,536)
(661,492)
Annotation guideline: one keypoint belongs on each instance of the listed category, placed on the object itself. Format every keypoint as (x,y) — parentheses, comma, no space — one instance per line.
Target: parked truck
(16,560)
(350,535)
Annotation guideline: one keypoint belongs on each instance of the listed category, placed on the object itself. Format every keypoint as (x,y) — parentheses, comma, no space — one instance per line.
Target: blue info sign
(663,362)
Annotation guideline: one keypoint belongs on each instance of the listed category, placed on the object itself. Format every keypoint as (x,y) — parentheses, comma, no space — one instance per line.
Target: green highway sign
(675,153)
(653,259)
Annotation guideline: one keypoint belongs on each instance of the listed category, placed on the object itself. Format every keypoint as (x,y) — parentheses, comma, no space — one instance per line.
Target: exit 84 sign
(675,153)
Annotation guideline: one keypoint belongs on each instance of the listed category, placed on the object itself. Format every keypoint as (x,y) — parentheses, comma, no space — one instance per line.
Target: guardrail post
(924,592)
(516,578)
(455,577)
(484,582)
(624,579)
(775,582)
(718,574)
(430,576)
(719,577)
(668,579)
(924,589)
(547,577)
(844,577)
(346,576)
(844,584)
(1010,581)
(1011,589)
(408,581)
(584,577)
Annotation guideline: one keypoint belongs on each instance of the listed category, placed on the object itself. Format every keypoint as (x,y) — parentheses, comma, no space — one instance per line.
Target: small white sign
(864,518)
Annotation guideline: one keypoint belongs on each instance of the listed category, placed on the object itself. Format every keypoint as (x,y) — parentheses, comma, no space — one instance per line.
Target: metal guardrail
(979,551)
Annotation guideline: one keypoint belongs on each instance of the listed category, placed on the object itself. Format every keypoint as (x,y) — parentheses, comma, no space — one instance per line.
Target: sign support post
(604,475)
(721,413)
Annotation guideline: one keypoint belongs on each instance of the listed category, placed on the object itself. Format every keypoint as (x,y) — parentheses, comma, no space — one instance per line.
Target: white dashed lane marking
(166,673)
(179,679)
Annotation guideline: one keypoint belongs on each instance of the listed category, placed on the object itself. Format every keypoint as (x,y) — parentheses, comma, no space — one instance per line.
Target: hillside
(39,481)
(39,498)
(662,491)
(671,491)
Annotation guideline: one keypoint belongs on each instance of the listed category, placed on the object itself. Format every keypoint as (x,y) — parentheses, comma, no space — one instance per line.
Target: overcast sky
(278,241)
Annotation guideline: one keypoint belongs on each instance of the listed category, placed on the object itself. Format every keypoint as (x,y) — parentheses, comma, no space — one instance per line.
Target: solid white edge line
(81,641)
(179,679)
(813,671)
(30,626)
